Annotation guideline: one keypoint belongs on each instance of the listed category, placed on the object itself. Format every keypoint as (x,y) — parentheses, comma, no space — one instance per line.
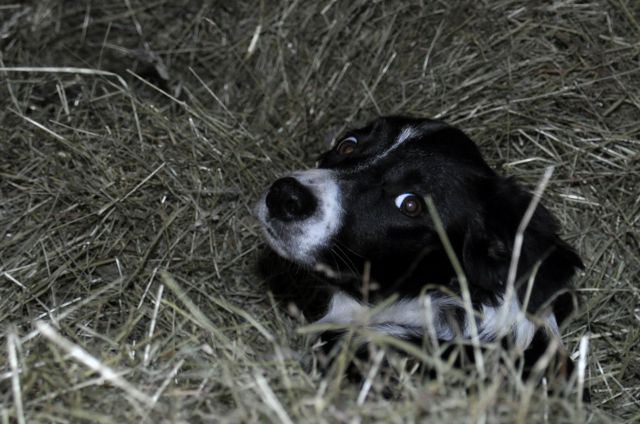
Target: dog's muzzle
(300,214)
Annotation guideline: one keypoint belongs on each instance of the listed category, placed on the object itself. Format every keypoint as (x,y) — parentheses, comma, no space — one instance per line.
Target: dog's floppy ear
(485,258)
(488,246)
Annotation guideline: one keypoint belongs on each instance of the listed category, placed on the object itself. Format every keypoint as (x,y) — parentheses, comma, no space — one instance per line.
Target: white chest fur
(417,316)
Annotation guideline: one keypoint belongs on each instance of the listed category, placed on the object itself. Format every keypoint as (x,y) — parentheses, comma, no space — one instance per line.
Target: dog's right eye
(409,204)
(347,146)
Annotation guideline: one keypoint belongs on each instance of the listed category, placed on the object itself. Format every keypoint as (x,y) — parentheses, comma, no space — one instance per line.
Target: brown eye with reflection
(347,146)
(409,204)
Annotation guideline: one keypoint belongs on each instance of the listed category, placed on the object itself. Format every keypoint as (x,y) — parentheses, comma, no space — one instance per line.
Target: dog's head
(366,203)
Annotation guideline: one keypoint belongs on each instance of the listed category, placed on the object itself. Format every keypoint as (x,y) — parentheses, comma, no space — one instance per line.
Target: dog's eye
(347,146)
(409,204)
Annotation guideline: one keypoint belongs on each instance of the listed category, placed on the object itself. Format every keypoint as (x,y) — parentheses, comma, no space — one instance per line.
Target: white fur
(343,309)
(408,317)
(494,323)
(407,133)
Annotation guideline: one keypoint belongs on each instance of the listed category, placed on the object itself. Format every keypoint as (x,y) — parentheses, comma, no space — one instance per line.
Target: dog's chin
(287,250)
(313,262)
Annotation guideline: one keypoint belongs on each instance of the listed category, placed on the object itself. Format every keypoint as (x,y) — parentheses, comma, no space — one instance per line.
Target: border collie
(360,226)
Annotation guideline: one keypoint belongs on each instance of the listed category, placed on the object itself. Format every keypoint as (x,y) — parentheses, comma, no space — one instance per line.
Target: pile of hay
(135,137)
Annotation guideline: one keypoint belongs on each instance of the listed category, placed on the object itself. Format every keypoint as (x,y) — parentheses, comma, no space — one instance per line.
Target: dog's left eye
(409,204)
(347,146)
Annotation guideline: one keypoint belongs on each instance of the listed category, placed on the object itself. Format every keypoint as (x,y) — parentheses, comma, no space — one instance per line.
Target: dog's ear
(488,246)
(485,258)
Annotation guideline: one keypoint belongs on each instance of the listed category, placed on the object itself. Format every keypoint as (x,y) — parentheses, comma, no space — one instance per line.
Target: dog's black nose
(289,200)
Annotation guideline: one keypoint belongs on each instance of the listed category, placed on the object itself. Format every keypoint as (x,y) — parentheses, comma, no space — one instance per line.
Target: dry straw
(136,136)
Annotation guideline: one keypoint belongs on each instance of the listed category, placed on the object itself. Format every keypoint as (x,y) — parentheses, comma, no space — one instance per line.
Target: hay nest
(135,137)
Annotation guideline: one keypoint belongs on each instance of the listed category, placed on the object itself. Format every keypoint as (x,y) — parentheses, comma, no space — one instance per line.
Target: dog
(360,232)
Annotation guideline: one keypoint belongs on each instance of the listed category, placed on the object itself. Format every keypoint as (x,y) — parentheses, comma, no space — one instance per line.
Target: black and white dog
(360,226)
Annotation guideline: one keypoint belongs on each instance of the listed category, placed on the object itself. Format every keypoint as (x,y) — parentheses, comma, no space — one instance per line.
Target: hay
(133,146)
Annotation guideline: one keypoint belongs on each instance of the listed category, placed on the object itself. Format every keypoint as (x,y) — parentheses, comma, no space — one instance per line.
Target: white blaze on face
(300,241)
(407,133)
